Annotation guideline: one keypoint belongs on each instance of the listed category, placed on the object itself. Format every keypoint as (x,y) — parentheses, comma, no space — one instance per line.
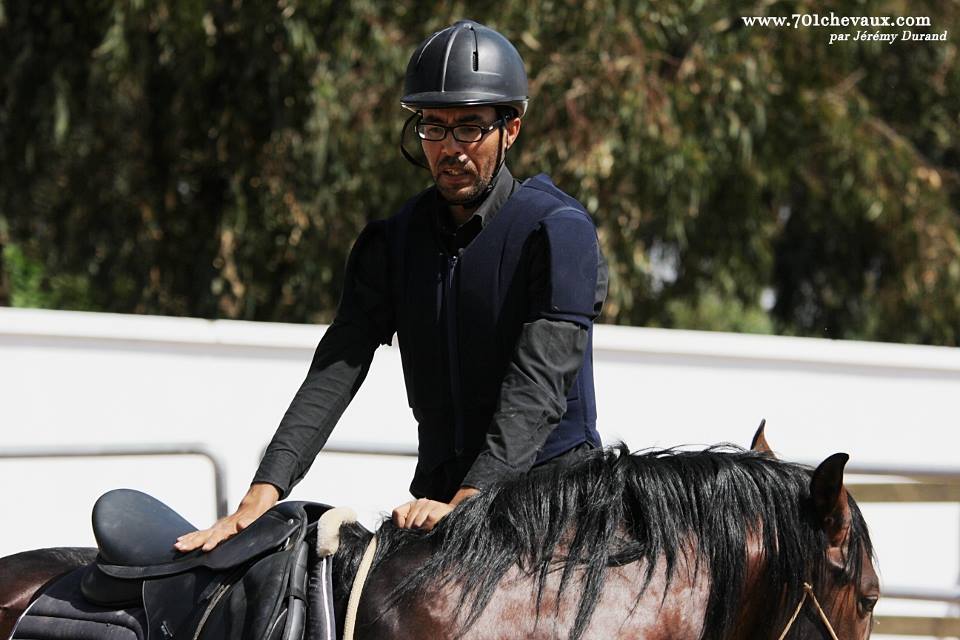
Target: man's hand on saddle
(259,499)
(425,514)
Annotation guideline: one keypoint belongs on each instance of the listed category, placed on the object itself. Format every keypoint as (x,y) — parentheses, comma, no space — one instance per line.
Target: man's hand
(259,499)
(420,514)
(425,514)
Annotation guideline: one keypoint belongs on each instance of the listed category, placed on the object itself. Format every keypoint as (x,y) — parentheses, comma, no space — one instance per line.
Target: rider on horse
(491,285)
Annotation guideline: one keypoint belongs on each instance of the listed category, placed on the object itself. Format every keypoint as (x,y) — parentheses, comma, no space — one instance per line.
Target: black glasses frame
(484,130)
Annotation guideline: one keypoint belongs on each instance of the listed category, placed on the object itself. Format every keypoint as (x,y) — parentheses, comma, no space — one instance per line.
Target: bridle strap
(808,591)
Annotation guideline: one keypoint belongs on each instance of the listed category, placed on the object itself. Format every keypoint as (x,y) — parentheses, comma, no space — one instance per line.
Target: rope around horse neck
(808,591)
(353,602)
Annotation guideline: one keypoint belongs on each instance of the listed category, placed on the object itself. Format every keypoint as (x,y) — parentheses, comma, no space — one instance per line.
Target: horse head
(840,602)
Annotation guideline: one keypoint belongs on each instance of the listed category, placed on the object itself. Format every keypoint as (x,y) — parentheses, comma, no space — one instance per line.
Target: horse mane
(614,508)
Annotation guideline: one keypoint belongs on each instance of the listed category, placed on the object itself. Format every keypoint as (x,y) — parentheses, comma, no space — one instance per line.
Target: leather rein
(808,592)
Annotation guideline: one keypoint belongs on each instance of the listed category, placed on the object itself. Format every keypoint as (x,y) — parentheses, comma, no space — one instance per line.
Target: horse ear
(759,442)
(829,497)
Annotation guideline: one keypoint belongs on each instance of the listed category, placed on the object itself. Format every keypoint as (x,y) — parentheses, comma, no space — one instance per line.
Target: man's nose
(450,145)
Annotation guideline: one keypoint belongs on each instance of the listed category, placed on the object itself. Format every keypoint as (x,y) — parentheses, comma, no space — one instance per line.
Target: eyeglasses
(461,133)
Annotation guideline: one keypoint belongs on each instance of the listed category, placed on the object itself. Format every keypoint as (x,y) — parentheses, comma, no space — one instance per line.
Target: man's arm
(533,399)
(339,366)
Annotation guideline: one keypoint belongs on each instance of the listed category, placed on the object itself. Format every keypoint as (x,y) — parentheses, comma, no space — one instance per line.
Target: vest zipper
(453,352)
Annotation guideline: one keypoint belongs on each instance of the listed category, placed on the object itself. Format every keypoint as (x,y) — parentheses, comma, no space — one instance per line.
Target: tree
(218,159)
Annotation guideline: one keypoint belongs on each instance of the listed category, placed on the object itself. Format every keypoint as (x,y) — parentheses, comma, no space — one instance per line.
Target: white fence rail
(93,379)
(152,450)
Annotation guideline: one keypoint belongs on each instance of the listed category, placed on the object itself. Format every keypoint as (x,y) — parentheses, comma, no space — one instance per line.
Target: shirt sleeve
(339,366)
(547,357)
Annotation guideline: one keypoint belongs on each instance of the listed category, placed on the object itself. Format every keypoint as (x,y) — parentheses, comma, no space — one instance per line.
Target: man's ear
(512,130)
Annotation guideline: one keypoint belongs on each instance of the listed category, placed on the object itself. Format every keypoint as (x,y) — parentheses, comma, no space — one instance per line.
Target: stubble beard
(461,195)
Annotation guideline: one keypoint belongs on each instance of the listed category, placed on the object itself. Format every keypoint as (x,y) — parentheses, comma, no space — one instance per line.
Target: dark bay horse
(660,545)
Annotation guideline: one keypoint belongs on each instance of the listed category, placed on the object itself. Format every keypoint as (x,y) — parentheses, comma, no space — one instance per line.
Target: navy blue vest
(458,318)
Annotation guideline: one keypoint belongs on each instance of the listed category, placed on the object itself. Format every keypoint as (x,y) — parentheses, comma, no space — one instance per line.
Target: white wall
(81,378)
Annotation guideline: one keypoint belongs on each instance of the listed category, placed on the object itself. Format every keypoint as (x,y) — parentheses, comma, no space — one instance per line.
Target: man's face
(462,170)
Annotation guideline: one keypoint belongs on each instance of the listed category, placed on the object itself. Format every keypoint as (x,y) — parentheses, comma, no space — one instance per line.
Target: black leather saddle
(135,533)
(253,586)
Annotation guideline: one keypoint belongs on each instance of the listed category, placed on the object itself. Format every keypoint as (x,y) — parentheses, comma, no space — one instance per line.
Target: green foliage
(217,159)
(26,279)
(32,288)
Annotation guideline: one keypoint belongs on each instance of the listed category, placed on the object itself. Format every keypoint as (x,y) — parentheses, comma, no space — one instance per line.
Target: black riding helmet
(464,65)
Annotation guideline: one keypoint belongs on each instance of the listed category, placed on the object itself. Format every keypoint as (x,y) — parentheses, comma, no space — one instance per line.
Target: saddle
(253,586)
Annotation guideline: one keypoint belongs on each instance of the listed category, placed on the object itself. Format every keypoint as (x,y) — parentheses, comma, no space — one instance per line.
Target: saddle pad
(62,613)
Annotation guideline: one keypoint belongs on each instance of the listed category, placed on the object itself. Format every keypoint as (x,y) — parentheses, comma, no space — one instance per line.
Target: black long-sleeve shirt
(532,400)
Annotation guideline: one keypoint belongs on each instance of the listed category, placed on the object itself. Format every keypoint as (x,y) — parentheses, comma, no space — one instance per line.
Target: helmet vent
(476,50)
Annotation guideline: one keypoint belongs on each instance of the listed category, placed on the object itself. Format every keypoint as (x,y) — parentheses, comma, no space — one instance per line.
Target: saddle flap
(178,602)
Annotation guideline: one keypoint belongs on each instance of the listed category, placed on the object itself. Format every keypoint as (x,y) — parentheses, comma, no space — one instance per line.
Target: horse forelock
(715,510)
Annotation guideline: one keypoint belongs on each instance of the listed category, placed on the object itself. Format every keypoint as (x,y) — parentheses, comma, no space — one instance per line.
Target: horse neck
(760,601)
(754,605)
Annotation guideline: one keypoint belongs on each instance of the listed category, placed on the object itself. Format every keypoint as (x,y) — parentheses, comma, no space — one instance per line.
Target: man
(490,285)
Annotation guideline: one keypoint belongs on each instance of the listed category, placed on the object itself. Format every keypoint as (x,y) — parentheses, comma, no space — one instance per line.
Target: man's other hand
(425,514)
(259,499)
(420,514)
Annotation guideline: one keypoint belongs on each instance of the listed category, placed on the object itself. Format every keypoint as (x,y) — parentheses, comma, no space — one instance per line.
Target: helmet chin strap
(403,149)
(480,197)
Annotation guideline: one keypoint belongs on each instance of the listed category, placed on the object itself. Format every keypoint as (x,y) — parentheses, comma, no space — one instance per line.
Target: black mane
(621,508)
